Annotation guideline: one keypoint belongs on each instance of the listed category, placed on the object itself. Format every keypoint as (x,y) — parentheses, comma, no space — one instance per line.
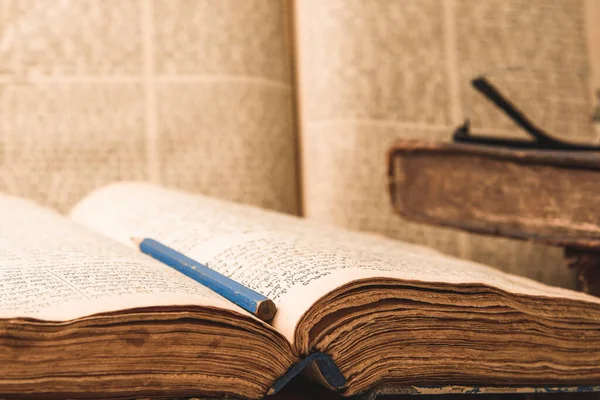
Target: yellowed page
(593,36)
(291,260)
(53,269)
(194,94)
(371,72)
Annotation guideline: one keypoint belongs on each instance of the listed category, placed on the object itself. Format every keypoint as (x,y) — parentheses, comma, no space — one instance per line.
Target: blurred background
(291,106)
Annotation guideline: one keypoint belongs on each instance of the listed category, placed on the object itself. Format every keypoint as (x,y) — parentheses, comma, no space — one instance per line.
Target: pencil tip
(266,310)
(137,241)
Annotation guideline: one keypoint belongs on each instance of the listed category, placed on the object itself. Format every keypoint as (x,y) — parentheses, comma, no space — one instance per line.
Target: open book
(83,313)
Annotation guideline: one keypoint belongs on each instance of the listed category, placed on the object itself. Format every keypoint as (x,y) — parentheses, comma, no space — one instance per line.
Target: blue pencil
(244,297)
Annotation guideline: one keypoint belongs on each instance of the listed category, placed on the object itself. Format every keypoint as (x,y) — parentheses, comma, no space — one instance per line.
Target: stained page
(372,72)
(288,259)
(54,269)
(192,94)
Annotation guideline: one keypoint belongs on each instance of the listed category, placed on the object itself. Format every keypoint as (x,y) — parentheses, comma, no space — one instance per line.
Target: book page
(191,94)
(53,269)
(372,72)
(592,13)
(288,259)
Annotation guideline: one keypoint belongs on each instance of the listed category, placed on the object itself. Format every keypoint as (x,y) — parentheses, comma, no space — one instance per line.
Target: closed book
(548,196)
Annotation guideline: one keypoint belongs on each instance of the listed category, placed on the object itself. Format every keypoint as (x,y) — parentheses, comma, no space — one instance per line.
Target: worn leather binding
(326,368)
(517,159)
(466,168)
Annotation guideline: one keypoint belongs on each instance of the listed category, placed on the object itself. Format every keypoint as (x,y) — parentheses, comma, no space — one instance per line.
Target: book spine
(327,368)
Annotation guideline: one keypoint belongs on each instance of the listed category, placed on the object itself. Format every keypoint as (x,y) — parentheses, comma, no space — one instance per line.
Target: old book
(84,314)
(544,196)
(550,196)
